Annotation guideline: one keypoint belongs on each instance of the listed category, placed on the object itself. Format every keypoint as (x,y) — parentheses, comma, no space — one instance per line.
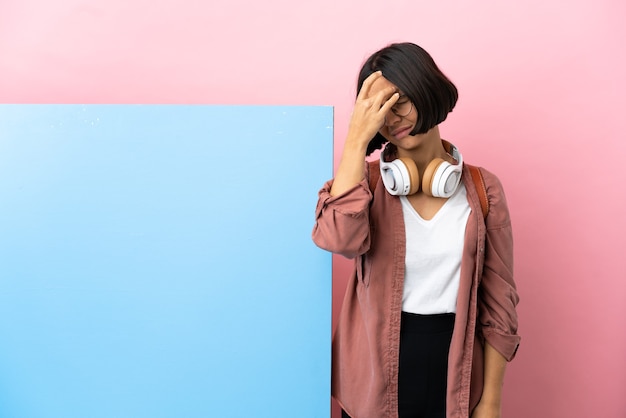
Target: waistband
(428,324)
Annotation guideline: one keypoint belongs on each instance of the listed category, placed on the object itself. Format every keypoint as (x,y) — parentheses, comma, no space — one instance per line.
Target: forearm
(491,399)
(351,168)
(494,368)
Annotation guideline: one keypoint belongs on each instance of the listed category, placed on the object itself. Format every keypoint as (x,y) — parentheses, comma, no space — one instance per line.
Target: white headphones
(401,176)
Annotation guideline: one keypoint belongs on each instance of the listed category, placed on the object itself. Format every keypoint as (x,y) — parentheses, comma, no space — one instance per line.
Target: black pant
(424,346)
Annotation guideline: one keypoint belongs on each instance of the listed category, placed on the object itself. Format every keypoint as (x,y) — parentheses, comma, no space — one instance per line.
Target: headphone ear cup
(414,176)
(441,178)
(400,176)
(434,170)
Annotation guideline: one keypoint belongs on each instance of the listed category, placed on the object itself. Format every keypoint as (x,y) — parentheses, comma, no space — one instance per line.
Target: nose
(391,118)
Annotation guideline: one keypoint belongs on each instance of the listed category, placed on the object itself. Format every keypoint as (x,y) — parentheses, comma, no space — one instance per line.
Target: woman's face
(401,119)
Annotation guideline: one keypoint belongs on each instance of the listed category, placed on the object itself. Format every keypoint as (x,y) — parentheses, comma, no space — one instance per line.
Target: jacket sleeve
(498,298)
(342,221)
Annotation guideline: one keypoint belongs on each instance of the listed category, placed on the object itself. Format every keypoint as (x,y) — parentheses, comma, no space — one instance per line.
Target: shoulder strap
(374,174)
(477,178)
(479,182)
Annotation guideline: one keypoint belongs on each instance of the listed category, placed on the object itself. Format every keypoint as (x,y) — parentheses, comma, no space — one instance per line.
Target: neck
(429,148)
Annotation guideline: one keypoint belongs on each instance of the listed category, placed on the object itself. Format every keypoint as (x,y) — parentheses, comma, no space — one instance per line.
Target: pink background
(542,90)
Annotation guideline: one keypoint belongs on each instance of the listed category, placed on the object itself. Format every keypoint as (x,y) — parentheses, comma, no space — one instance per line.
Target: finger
(389,103)
(367,84)
(384,95)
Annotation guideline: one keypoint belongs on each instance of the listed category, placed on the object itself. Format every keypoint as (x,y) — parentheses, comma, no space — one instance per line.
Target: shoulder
(498,215)
(492,182)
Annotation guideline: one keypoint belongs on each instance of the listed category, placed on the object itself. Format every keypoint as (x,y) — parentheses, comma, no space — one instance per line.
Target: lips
(401,132)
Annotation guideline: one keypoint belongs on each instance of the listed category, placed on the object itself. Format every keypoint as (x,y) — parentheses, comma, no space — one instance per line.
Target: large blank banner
(156,261)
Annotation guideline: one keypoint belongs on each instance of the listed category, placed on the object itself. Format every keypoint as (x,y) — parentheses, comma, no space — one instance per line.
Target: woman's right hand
(370,109)
(367,119)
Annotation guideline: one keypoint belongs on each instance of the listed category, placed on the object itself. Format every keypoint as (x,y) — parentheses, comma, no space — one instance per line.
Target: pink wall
(542,92)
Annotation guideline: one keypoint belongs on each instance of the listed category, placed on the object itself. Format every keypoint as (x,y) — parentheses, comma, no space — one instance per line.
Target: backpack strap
(477,178)
(479,183)
(374,174)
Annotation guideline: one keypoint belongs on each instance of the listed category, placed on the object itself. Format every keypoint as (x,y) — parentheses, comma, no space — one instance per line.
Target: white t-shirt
(433,255)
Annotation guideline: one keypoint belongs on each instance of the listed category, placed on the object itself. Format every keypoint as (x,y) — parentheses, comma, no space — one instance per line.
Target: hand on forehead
(381,84)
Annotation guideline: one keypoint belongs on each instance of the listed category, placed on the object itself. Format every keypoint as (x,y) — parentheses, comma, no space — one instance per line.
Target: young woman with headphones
(429,316)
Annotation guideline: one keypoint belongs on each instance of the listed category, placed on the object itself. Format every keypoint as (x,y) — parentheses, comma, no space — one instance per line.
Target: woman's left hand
(486,410)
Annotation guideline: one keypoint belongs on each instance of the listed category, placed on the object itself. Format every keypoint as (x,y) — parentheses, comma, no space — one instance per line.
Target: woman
(428,321)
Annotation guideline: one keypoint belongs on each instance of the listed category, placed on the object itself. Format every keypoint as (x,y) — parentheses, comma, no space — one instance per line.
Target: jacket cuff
(505,344)
(351,202)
